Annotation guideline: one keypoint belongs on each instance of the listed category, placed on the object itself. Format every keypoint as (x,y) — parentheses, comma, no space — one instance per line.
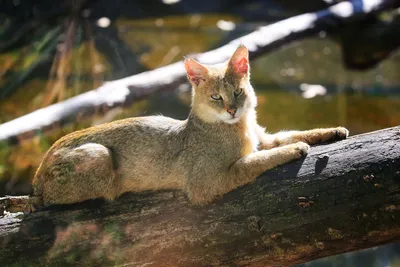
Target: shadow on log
(125,91)
(342,197)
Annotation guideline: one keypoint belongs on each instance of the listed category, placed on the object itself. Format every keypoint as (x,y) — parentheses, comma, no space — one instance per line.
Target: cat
(218,148)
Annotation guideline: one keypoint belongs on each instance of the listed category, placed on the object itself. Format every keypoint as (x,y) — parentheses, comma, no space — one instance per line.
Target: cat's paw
(341,133)
(301,149)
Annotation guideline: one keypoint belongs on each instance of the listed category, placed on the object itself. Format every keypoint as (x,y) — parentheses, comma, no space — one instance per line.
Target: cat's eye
(237,92)
(216,97)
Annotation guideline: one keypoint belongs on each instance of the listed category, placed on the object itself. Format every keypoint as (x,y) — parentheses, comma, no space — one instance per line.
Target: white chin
(232,120)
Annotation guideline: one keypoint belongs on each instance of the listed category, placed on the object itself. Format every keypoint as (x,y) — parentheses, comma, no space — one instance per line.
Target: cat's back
(123,131)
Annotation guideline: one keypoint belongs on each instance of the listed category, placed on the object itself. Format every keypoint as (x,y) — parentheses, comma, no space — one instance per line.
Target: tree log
(125,91)
(342,197)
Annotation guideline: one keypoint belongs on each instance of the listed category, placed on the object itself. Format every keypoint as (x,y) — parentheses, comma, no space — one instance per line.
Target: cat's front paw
(301,149)
(341,133)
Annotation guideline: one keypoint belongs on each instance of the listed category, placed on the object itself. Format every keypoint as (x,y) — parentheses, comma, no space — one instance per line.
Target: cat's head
(222,93)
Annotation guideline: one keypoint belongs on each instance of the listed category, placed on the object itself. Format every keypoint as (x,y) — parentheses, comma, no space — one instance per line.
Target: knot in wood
(368,177)
(254,223)
(305,202)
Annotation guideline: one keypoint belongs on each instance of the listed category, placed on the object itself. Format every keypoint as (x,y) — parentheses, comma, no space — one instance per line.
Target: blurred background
(53,50)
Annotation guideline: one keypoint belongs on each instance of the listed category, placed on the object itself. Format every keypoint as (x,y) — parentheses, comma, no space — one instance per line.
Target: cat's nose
(232,111)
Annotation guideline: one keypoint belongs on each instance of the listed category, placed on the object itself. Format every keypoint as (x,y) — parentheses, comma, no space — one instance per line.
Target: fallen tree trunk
(125,91)
(343,196)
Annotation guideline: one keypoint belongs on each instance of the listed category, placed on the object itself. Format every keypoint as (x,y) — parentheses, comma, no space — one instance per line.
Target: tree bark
(342,197)
(125,91)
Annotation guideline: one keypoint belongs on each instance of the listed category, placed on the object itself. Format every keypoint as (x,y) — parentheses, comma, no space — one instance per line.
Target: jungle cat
(218,148)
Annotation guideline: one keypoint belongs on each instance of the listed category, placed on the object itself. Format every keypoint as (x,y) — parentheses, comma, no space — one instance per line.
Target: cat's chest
(249,142)
(248,139)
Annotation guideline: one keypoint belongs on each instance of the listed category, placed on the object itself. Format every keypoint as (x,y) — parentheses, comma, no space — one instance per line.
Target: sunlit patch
(327,50)
(159,22)
(300,52)
(194,20)
(170,2)
(10,218)
(312,90)
(99,68)
(226,25)
(92,149)
(379,78)
(343,9)
(369,5)
(120,92)
(288,72)
(66,238)
(103,22)
(100,243)
(233,120)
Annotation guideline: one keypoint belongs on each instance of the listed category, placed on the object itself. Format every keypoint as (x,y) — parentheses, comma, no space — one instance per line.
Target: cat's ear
(239,62)
(195,71)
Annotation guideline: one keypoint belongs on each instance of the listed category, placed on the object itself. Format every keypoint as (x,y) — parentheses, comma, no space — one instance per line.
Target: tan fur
(210,153)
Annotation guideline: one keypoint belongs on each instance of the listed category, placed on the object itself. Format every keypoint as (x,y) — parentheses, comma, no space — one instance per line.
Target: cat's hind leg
(77,174)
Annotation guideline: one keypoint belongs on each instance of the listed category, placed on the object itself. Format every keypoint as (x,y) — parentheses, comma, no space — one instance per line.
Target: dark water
(301,86)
